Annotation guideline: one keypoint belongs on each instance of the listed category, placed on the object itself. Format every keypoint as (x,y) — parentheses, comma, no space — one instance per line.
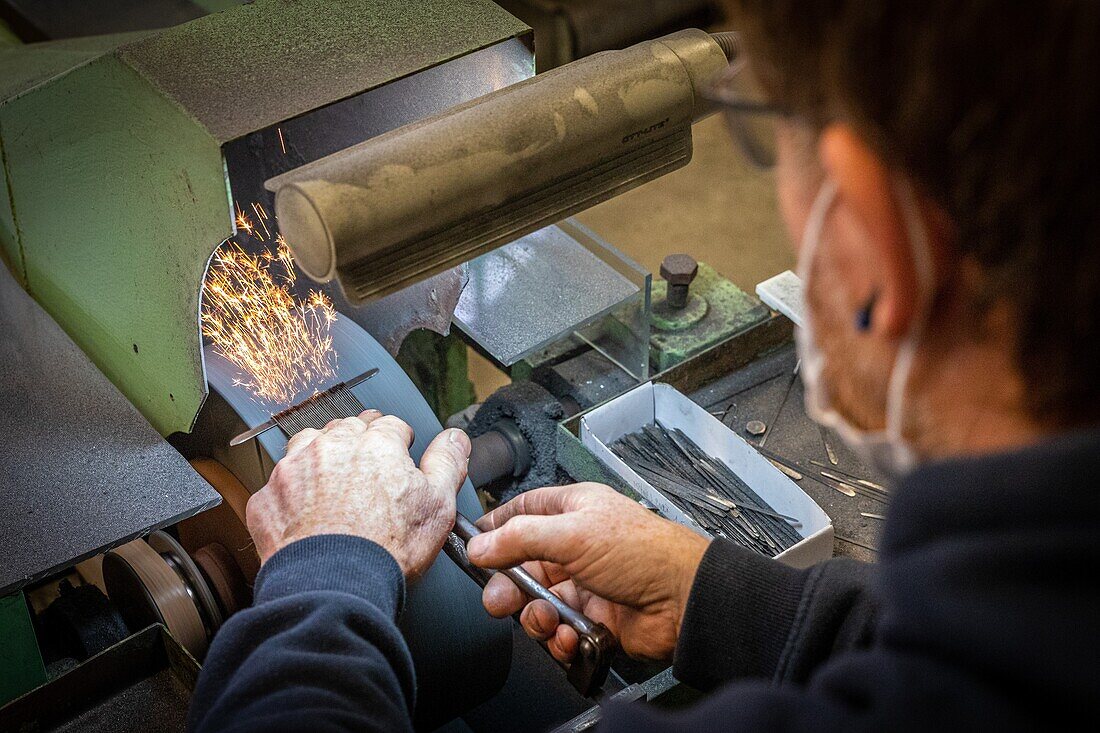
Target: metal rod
(466,530)
(853,477)
(842,488)
(721,414)
(787,470)
(861,490)
(782,403)
(857,543)
(837,478)
(673,464)
(828,448)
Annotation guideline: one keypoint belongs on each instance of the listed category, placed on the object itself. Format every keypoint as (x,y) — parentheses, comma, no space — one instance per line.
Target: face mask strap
(815,225)
(811,357)
(907,352)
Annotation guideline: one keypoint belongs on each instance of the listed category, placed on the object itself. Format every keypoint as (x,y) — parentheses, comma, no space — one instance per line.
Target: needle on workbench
(779,410)
(828,448)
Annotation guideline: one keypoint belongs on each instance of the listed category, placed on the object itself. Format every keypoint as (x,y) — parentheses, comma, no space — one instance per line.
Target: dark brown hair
(993,109)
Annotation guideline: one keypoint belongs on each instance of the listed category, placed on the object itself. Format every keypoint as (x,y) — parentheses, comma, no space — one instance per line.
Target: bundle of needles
(706,489)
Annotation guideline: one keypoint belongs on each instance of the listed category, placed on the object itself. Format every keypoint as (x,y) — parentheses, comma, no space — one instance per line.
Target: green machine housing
(125,157)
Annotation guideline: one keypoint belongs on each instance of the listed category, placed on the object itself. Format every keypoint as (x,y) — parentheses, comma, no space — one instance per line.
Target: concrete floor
(717,209)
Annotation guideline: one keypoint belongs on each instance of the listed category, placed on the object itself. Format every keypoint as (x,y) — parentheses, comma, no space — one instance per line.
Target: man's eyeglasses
(750,117)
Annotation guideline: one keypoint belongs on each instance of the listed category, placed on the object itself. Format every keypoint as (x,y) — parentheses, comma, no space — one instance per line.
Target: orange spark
(244,223)
(282,142)
(281,344)
(261,216)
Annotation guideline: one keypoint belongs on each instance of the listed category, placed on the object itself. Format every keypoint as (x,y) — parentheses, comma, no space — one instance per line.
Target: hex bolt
(678,271)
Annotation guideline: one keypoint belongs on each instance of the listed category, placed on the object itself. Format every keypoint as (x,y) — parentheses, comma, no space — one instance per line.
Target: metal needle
(265,426)
(828,448)
(782,402)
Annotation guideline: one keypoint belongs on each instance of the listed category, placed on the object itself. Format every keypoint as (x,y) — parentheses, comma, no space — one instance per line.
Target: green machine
(124,157)
(23,668)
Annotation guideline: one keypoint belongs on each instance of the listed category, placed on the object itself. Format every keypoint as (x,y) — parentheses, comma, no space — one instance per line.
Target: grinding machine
(409,171)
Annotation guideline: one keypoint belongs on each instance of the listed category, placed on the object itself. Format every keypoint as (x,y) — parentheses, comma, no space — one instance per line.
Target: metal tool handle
(597,644)
(465,529)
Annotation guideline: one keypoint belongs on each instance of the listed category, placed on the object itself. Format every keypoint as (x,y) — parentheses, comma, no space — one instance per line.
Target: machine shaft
(399,207)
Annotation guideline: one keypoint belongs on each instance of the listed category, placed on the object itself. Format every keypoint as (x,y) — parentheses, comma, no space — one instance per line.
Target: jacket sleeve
(749,616)
(801,643)
(318,650)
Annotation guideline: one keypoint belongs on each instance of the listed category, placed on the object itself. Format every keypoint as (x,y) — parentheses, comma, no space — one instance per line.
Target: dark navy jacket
(980,615)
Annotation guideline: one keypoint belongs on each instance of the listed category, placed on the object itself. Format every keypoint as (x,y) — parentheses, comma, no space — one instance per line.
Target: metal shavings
(852,478)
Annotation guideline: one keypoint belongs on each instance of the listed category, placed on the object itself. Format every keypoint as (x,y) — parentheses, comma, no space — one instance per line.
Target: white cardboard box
(649,402)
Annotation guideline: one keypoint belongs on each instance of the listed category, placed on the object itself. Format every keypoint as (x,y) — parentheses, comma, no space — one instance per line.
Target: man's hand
(356,477)
(601,553)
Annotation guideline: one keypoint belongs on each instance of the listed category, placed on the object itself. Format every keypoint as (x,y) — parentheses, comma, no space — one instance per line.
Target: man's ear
(866,192)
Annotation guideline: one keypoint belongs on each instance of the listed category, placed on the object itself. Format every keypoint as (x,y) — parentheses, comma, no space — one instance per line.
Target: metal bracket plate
(80,469)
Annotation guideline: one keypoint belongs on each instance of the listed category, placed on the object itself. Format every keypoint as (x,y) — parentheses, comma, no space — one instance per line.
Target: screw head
(756,427)
(679,269)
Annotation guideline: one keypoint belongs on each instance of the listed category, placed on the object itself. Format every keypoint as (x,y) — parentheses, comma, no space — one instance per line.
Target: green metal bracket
(438,367)
(7,36)
(718,309)
(21,668)
(115,218)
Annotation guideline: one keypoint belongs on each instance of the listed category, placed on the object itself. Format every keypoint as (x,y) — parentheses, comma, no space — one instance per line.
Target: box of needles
(696,471)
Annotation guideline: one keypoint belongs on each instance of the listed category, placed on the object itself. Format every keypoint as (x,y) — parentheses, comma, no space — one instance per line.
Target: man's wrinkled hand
(356,477)
(601,553)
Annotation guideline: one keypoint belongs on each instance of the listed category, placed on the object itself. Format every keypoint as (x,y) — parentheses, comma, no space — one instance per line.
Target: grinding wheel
(147,590)
(192,577)
(224,524)
(225,578)
(461,655)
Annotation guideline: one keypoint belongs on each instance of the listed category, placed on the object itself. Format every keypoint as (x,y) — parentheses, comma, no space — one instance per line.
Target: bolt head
(679,269)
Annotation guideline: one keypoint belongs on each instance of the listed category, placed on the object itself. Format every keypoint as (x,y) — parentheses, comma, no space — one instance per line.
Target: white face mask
(885,449)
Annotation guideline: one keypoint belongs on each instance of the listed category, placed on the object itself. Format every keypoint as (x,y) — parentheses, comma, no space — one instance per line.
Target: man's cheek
(797,179)
(792,206)
(832,331)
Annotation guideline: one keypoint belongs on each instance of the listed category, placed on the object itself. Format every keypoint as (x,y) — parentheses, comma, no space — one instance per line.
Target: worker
(938,166)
